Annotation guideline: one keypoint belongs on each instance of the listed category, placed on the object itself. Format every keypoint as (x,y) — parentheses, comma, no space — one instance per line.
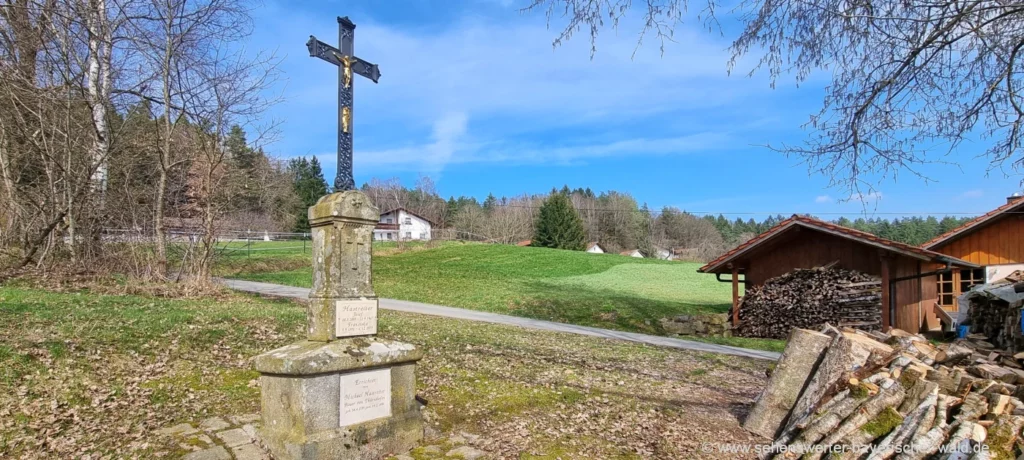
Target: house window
(387,220)
(408,221)
(970,278)
(423,235)
(408,235)
(388,235)
(945,289)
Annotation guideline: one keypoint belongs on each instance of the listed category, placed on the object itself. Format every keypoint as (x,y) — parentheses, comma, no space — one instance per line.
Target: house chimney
(1013,198)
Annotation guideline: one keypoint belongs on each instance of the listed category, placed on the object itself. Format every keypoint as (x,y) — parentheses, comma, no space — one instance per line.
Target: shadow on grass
(603,308)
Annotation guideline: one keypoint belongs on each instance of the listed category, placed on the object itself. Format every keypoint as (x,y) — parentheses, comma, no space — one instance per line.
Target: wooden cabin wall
(810,249)
(909,314)
(996,243)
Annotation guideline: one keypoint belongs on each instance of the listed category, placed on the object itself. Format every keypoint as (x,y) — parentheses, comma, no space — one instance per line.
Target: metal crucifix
(348,64)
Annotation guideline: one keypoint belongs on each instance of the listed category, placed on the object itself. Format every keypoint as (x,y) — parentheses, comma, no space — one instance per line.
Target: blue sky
(473,95)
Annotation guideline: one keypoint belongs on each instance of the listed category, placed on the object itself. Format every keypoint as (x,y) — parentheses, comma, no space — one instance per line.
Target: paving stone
(243,419)
(180,429)
(431,450)
(470,437)
(234,437)
(214,453)
(403,457)
(466,452)
(214,424)
(187,446)
(205,438)
(456,439)
(249,452)
(251,431)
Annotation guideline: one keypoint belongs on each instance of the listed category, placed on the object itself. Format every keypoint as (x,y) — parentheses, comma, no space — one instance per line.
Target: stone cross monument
(348,65)
(342,393)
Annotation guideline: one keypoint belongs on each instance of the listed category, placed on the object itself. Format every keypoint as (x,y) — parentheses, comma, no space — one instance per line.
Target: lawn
(84,374)
(602,290)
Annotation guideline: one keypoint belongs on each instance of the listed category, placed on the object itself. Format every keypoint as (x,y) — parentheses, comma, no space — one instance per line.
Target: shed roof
(832,229)
(976,223)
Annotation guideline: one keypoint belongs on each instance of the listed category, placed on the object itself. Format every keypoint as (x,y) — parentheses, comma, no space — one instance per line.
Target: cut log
(867,412)
(1002,436)
(803,352)
(943,378)
(994,372)
(827,421)
(959,443)
(883,424)
(928,441)
(973,407)
(997,405)
(916,394)
(837,361)
(953,354)
(898,438)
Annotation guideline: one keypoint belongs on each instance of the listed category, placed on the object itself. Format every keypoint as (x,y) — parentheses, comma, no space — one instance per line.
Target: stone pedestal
(343,393)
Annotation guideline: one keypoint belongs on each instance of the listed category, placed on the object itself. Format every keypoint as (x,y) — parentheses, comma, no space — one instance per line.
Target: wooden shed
(805,242)
(993,241)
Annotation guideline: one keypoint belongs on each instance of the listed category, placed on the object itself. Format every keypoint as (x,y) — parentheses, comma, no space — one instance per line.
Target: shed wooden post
(735,296)
(886,301)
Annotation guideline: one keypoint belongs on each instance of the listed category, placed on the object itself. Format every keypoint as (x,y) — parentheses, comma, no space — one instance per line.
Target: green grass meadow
(602,290)
(90,375)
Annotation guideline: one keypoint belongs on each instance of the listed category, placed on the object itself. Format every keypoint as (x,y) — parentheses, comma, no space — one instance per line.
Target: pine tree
(490,203)
(309,184)
(559,226)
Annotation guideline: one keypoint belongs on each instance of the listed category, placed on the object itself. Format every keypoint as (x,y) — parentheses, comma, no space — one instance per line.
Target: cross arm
(319,49)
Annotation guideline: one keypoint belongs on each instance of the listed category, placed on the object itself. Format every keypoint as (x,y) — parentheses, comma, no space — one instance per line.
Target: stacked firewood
(810,298)
(997,320)
(853,394)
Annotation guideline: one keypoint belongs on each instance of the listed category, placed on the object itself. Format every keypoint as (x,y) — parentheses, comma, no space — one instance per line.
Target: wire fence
(253,243)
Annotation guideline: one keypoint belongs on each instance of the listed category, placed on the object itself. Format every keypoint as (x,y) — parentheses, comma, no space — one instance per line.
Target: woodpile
(811,298)
(997,320)
(870,395)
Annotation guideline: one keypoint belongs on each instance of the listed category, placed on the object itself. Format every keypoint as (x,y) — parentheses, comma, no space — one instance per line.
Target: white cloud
(823,199)
(517,89)
(452,147)
(972,194)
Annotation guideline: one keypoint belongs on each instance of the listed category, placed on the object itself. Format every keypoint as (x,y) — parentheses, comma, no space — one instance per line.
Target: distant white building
(593,248)
(662,253)
(632,253)
(400,224)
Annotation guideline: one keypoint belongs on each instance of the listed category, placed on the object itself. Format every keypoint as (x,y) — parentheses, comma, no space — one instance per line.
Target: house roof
(975,224)
(524,243)
(629,252)
(833,229)
(591,245)
(409,212)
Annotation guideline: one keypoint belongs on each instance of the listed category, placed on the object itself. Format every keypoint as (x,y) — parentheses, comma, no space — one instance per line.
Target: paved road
(278,290)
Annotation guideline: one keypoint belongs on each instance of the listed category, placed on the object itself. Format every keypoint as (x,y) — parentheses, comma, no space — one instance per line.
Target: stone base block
(347,399)
(371,440)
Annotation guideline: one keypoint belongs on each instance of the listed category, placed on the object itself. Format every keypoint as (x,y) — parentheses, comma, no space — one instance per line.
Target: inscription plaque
(365,396)
(355,317)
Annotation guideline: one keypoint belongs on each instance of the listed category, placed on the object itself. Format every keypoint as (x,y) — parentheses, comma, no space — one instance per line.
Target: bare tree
(909,79)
